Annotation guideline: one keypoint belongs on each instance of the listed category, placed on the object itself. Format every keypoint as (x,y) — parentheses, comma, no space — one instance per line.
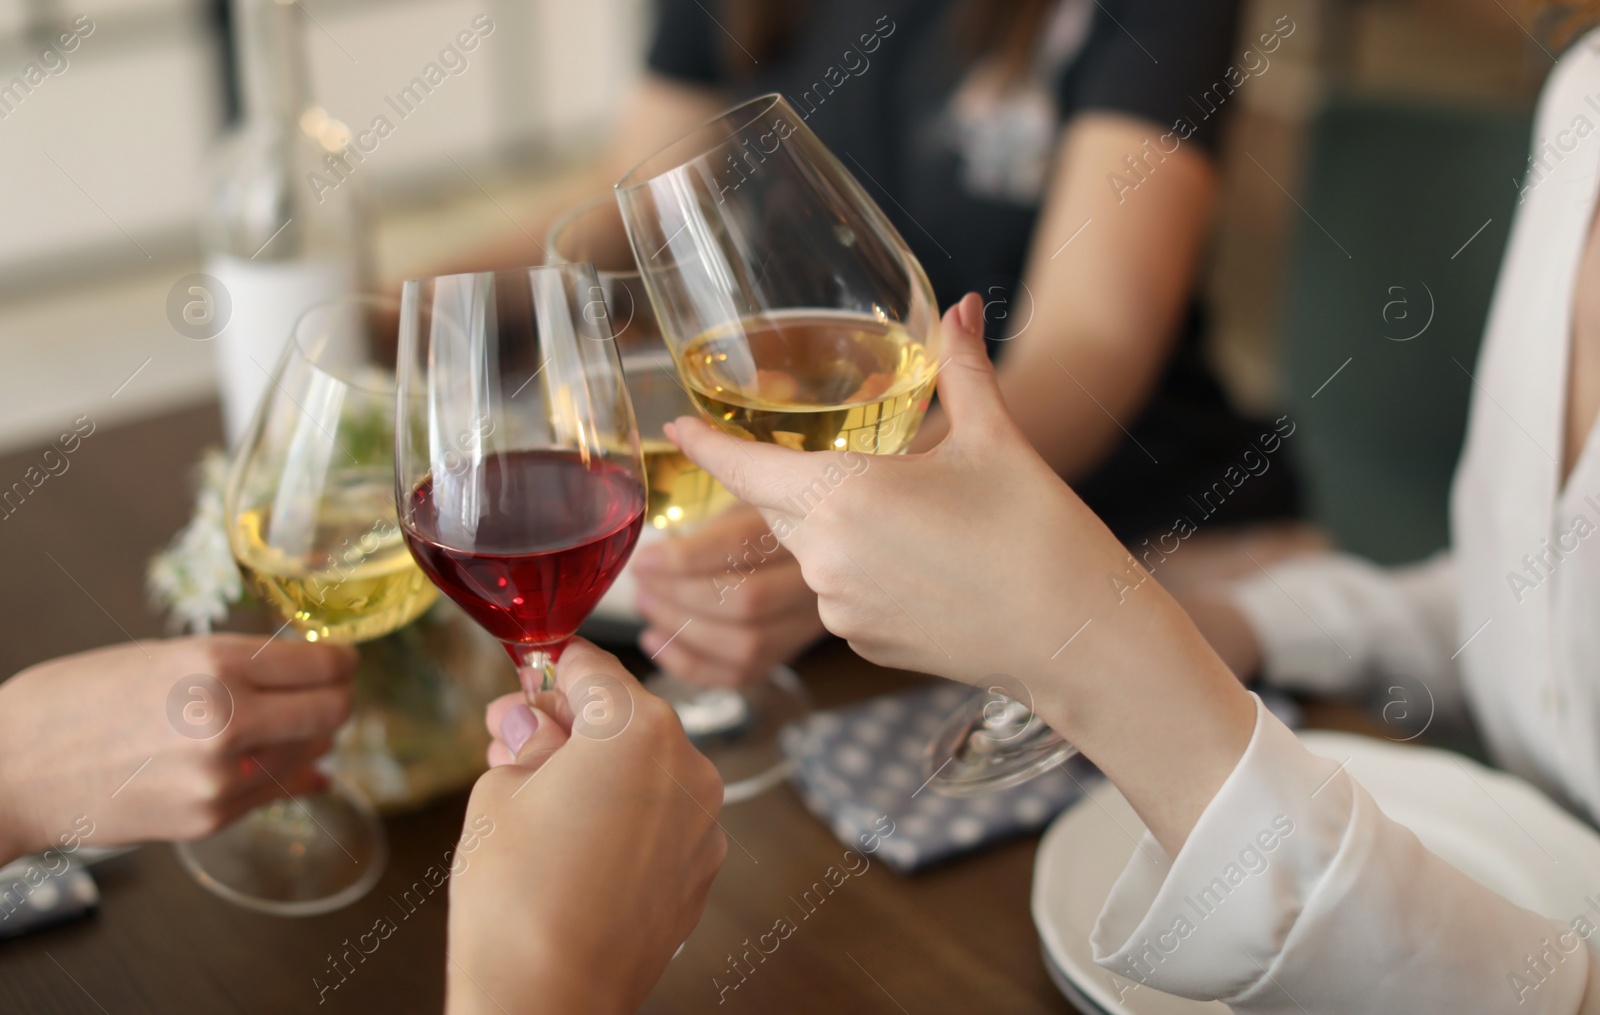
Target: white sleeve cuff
(1199,926)
(1294,891)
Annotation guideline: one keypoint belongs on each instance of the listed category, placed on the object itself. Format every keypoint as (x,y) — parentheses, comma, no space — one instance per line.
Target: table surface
(954,939)
(71,577)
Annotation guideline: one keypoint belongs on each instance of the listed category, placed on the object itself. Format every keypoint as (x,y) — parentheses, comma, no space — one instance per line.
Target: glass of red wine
(519,481)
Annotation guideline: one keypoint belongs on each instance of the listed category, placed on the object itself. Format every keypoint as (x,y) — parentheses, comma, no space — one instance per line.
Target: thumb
(530,736)
(967,387)
(759,474)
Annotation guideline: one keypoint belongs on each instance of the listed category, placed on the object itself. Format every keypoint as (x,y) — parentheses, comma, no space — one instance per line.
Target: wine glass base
(738,730)
(974,755)
(299,857)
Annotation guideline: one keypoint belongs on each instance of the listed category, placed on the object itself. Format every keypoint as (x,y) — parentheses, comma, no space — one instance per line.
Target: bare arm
(1110,276)
(1050,604)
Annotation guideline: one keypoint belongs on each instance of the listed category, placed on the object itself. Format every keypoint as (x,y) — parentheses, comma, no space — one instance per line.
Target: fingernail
(969,313)
(516,726)
(671,430)
(645,603)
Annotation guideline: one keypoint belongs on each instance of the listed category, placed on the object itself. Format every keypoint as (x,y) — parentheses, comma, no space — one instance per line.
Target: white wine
(813,380)
(679,492)
(356,581)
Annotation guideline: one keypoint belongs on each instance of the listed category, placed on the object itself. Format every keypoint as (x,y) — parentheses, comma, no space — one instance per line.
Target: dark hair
(1007,30)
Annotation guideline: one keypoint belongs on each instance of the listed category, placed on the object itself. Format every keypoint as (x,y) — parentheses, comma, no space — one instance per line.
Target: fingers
(767,587)
(583,661)
(530,736)
(713,652)
(281,664)
(967,387)
(758,474)
(701,670)
(276,717)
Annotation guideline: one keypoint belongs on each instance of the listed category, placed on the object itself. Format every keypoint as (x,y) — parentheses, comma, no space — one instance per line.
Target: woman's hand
(725,603)
(924,561)
(973,561)
(163,739)
(596,844)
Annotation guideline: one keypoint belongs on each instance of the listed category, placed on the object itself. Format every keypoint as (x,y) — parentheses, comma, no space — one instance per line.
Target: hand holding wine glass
(311,522)
(623,824)
(1002,578)
(72,728)
(799,317)
(880,549)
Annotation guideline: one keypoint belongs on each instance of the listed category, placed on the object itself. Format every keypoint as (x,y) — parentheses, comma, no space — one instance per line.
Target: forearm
(1071,396)
(1149,702)
(1107,284)
(1075,397)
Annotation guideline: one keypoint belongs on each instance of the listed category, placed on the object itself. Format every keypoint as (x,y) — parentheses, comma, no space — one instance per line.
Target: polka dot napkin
(855,767)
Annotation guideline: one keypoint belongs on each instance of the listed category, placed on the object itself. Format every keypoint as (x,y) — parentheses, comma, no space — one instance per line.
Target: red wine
(528,542)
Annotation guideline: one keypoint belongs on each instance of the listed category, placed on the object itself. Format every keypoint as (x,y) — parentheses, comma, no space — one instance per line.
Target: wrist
(528,972)
(1156,709)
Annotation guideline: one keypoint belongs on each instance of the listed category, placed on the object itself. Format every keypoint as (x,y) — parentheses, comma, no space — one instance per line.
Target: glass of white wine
(795,311)
(798,316)
(311,522)
(738,730)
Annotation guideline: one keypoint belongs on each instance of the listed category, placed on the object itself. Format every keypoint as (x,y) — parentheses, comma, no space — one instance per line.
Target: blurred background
(1397,126)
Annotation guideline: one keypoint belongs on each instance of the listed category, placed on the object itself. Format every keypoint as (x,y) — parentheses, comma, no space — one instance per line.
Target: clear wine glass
(798,316)
(737,729)
(518,475)
(311,521)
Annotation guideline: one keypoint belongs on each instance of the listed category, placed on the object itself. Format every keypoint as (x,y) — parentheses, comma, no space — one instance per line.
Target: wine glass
(518,475)
(311,521)
(798,316)
(738,730)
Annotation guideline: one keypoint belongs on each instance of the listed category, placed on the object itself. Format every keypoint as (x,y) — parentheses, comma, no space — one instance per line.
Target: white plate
(1493,827)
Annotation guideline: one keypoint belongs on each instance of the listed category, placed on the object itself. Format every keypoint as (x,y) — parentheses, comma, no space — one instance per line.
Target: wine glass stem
(537,671)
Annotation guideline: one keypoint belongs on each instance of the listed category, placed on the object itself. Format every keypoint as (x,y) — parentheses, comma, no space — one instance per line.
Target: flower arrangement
(194,580)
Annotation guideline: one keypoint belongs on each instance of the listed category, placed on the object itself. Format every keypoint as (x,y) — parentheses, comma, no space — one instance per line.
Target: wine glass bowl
(680,494)
(519,477)
(737,729)
(311,522)
(799,317)
(795,311)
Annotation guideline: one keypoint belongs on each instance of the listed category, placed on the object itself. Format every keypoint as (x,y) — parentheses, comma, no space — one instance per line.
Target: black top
(961,174)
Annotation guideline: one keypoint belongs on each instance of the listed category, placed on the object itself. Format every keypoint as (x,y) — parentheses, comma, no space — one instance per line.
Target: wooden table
(957,939)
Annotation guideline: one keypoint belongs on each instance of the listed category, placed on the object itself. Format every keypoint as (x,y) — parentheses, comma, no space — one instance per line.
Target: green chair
(1389,292)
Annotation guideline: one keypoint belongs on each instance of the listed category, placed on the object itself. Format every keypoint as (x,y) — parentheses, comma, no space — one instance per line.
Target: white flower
(195,577)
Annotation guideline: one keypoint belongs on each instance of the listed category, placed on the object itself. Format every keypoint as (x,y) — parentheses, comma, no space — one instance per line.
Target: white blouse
(1352,914)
